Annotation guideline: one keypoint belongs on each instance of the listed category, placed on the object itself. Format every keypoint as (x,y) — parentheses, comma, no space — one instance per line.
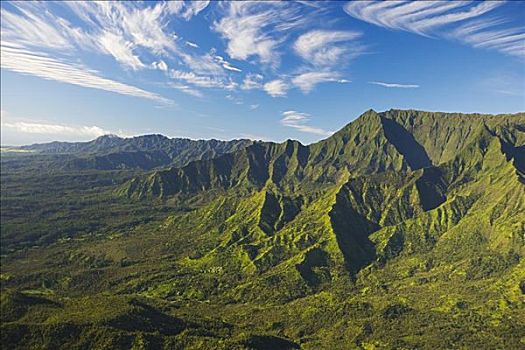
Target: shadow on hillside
(415,154)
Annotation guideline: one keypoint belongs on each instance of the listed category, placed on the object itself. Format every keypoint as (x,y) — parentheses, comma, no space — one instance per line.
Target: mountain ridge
(391,147)
(110,152)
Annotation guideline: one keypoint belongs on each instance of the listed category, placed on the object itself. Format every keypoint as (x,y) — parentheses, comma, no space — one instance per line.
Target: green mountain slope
(403,230)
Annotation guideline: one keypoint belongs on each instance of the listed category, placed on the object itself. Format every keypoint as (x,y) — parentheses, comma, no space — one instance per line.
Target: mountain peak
(108,137)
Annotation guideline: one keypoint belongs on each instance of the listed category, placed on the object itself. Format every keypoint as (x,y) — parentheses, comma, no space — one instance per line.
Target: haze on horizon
(74,71)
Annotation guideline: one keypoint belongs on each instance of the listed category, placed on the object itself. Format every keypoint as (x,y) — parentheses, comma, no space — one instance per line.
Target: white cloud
(228,66)
(139,36)
(325,52)
(121,28)
(461,20)
(205,64)
(254,107)
(418,17)
(252,81)
(208,64)
(276,88)
(255,29)
(136,35)
(185,9)
(307,81)
(394,85)
(55,129)
(429,23)
(320,46)
(225,64)
(146,27)
(193,8)
(33,27)
(117,29)
(510,41)
(38,64)
(245,35)
(121,50)
(201,80)
(299,120)
(142,26)
(174,7)
(160,65)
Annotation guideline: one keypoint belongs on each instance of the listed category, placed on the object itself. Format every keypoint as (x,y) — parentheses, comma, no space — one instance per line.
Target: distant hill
(142,152)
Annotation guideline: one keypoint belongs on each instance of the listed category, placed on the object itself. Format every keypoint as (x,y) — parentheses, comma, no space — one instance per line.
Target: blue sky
(269,70)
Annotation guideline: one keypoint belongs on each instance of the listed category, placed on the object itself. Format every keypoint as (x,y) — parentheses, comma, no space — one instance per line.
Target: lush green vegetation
(404,230)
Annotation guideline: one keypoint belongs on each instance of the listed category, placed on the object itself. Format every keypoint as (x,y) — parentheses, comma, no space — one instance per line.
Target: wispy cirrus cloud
(203,81)
(192,44)
(205,64)
(193,8)
(394,85)
(307,81)
(420,17)
(129,32)
(21,60)
(482,34)
(37,42)
(299,121)
(33,26)
(325,52)
(324,47)
(256,29)
(120,28)
(121,50)
(465,21)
